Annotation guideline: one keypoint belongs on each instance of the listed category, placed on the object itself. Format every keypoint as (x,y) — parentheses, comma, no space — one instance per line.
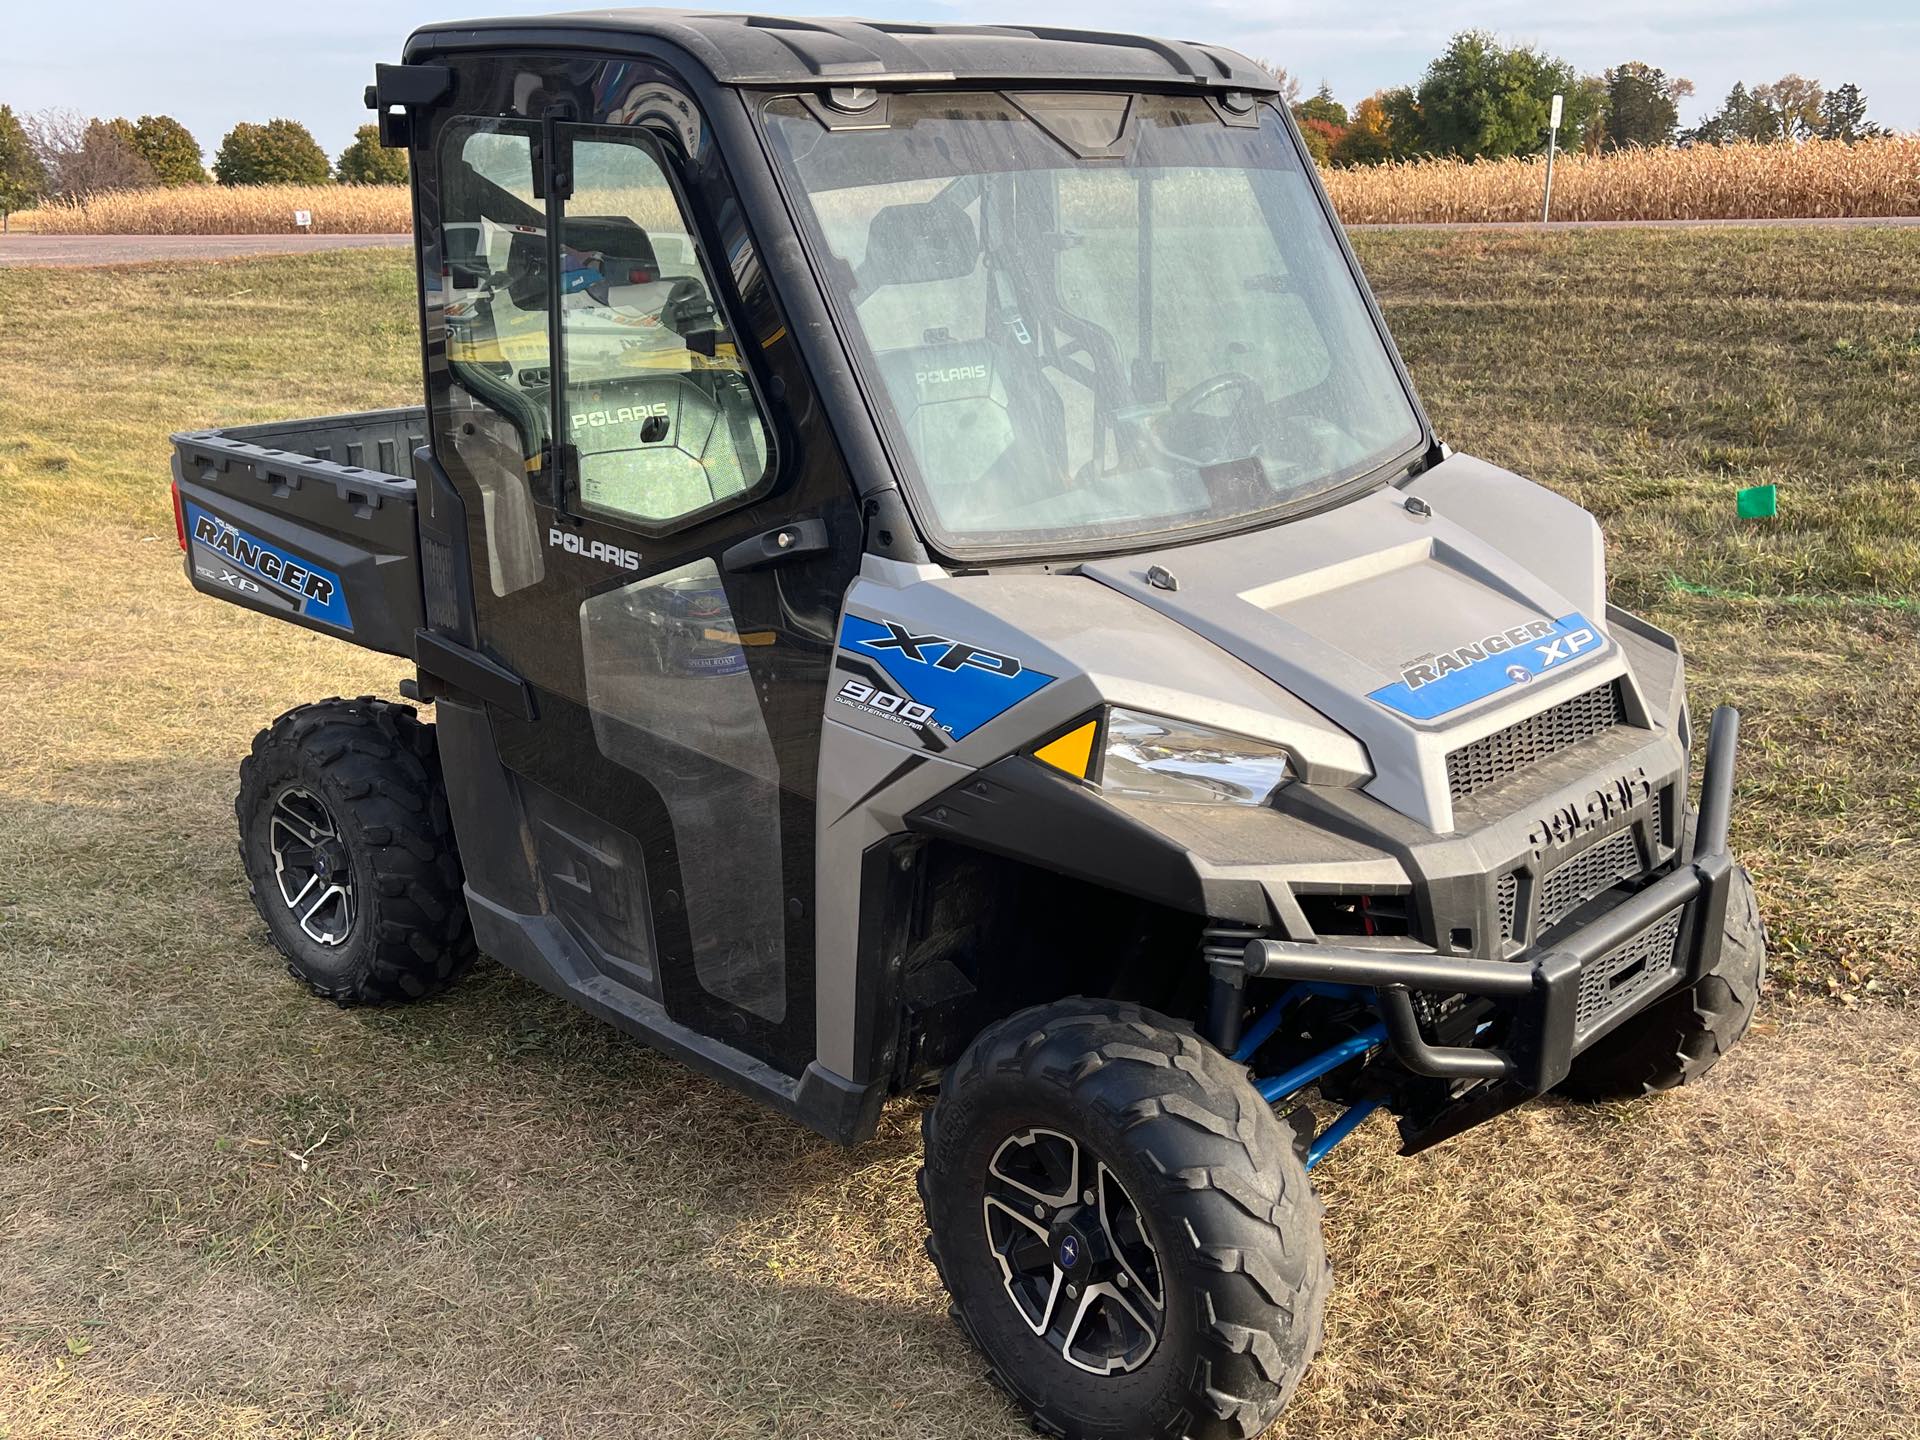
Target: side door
(660,532)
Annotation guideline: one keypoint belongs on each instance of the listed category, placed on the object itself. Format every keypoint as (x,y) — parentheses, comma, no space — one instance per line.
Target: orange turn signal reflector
(1072,752)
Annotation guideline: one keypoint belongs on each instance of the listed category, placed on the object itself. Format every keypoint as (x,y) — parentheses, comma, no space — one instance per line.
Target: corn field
(227,210)
(1708,182)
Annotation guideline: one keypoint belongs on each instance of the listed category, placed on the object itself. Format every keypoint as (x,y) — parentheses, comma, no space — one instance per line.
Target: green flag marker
(1757,502)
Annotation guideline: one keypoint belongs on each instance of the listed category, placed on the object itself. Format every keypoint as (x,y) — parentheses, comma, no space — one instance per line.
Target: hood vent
(1487,761)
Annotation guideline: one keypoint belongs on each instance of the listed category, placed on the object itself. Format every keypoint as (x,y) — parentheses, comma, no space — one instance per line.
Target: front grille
(1622,974)
(1507,898)
(1594,871)
(1480,763)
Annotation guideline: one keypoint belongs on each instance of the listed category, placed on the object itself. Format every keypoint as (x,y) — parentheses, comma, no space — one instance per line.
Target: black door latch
(800,537)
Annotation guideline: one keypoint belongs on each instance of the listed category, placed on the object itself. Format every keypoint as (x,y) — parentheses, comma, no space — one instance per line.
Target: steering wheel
(1236,381)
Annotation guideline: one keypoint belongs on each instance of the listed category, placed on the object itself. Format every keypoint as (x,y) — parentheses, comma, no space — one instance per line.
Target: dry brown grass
(1706,182)
(227,210)
(228,1210)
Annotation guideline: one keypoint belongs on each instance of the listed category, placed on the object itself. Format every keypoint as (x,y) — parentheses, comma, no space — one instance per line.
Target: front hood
(1416,633)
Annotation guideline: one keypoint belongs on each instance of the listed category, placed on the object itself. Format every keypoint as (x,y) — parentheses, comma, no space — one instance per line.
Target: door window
(492,301)
(654,399)
(658,405)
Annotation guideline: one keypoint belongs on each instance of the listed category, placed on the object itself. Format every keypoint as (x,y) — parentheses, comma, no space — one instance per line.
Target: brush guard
(1584,985)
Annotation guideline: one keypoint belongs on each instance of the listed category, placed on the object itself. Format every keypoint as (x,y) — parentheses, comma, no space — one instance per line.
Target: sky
(212,63)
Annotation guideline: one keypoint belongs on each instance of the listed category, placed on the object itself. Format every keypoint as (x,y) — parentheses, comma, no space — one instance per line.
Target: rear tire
(349,851)
(1683,1035)
(1192,1177)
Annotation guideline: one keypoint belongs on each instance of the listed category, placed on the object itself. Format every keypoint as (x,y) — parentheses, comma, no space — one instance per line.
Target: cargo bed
(308,520)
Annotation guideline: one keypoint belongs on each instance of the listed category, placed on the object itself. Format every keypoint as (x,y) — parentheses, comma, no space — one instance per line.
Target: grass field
(228,1209)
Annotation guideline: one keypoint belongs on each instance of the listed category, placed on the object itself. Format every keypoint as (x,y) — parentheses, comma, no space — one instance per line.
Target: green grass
(228,1209)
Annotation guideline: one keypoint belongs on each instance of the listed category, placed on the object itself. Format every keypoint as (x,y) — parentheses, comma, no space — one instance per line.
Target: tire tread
(1229,1178)
(381,760)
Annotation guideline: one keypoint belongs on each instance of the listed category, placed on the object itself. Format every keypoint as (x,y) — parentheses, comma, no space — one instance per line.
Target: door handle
(786,542)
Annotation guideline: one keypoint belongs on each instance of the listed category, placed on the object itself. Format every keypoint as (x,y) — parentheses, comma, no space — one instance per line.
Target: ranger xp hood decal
(1441,684)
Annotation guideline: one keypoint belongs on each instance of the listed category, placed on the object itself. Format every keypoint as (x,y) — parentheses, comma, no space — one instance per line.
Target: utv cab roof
(807,51)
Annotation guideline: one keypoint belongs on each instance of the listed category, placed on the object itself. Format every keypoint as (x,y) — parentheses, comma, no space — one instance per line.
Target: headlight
(1149,757)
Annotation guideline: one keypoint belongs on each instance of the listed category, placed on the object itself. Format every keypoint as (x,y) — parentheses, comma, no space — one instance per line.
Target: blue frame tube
(1263,1028)
(1278,1087)
(1339,1130)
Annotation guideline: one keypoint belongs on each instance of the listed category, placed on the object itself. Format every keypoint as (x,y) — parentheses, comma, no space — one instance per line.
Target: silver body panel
(1288,635)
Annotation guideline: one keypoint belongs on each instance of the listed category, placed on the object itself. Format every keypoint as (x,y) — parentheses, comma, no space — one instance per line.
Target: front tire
(349,851)
(1125,1229)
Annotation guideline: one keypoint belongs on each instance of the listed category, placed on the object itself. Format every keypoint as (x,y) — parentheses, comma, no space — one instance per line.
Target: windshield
(1092,318)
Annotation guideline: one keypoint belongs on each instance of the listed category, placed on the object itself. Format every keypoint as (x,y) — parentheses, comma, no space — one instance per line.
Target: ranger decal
(224,552)
(1437,685)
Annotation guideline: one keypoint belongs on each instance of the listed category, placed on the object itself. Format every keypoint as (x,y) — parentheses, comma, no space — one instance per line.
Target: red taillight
(179,516)
(639,277)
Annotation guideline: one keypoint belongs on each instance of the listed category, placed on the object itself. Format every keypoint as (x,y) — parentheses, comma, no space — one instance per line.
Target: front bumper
(1588,983)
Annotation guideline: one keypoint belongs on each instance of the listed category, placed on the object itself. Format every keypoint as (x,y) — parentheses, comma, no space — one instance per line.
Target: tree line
(1481,99)
(61,154)
(1478,99)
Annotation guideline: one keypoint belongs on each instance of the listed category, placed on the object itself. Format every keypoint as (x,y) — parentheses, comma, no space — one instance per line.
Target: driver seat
(975,411)
(953,400)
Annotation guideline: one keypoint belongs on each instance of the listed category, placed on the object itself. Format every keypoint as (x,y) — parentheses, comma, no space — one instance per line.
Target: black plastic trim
(408,85)
(397,90)
(783,542)
(446,588)
(535,946)
(809,52)
(450,663)
(1029,811)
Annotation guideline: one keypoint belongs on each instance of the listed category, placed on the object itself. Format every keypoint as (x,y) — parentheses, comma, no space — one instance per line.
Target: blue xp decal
(1442,684)
(240,559)
(960,687)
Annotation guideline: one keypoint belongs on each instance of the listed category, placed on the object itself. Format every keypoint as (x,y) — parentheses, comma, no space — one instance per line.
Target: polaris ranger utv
(929,569)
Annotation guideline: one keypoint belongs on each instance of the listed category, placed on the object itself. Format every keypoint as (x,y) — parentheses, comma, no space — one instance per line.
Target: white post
(1553,139)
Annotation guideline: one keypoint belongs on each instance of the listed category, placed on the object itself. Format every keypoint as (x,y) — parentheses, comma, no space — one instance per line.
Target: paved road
(1830,222)
(129,249)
